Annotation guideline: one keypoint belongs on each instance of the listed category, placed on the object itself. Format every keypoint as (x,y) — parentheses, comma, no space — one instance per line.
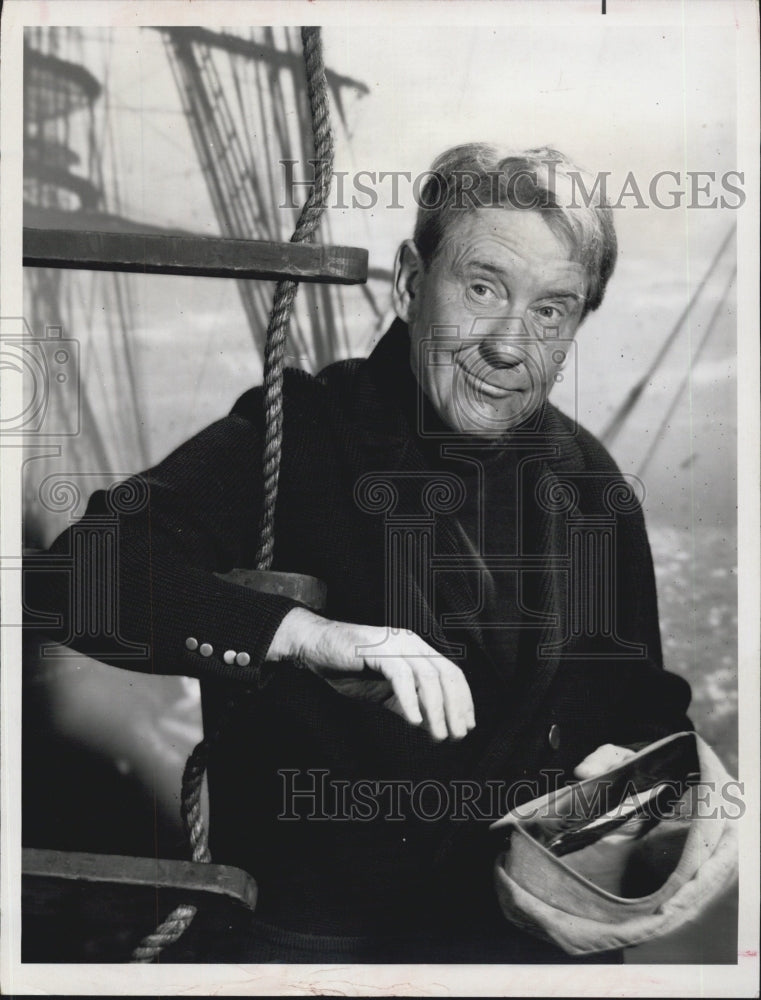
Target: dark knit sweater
(402,876)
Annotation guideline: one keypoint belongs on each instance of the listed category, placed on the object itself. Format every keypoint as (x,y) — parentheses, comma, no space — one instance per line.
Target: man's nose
(506,345)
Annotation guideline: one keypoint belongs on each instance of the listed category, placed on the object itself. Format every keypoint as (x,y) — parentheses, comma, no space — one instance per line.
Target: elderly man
(491,625)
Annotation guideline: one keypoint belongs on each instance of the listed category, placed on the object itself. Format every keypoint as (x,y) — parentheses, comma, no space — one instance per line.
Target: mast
(236,92)
(64,113)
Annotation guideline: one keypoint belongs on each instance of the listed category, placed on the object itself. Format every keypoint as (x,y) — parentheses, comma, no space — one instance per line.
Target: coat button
(243,659)
(205,649)
(553,736)
(191,643)
(229,656)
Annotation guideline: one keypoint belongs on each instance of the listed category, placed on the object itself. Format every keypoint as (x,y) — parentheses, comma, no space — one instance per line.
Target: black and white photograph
(379,554)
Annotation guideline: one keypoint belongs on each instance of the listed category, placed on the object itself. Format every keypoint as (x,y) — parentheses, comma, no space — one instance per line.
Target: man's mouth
(495,382)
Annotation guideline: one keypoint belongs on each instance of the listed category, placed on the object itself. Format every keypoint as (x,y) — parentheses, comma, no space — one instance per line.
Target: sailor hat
(624,857)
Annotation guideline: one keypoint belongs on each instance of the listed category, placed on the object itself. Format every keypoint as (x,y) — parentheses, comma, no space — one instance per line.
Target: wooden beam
(203,256)
(97,907)
(307,590)
(187,876)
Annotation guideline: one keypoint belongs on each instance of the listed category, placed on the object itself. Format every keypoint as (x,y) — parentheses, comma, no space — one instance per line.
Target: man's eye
(481,291)
(549,313)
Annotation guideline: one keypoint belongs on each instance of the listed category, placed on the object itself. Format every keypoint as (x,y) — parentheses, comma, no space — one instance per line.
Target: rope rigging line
(175,925)
(617,420)
(683,384)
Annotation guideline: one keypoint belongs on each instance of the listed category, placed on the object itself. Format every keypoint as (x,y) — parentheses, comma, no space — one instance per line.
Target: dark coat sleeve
(194,514)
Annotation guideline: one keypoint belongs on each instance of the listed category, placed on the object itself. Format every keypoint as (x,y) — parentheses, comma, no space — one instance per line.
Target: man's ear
(408,270)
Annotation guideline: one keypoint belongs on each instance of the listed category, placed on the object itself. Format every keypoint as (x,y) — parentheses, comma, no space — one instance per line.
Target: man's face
(490,317)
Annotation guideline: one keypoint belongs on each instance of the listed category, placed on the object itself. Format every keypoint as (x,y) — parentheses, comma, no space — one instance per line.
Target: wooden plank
(78,907)
(187,876)
(306,589)
(203,256)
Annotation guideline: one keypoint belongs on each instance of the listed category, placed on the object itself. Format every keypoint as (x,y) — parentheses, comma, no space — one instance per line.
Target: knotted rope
(175,925)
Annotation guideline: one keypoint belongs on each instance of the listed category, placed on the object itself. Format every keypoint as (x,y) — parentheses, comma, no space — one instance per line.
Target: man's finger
(601,760)
(458,702)
(427,687)
(402,682)
(430,696)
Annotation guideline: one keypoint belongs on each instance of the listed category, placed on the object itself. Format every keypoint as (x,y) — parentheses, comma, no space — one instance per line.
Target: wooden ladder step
(204,256)
(78,907)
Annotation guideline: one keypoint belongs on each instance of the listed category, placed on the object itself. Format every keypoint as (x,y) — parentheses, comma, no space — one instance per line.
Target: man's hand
(408,676)
(601,760)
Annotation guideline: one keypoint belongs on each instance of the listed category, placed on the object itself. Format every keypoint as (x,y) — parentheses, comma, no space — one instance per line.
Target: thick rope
(175,925)
(285,293)
(178,921)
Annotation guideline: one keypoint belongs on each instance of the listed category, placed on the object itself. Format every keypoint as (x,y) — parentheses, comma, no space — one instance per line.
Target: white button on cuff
(191,643)
(229,656)
(243,659)
(206,649)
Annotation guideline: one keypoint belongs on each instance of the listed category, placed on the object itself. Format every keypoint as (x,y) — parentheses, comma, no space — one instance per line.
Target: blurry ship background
(142,386)
(184,131)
